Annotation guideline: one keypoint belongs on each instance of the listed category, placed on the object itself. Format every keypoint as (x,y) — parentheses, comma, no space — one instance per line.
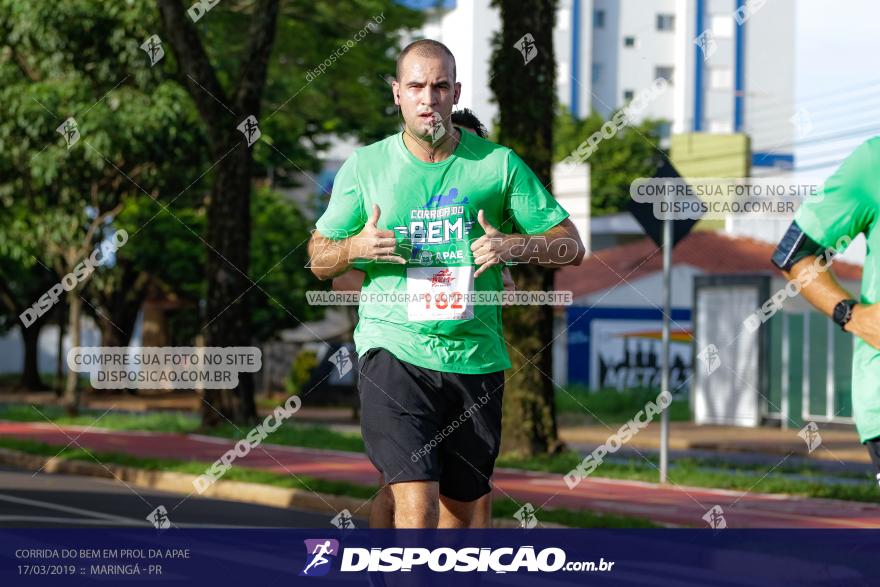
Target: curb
(239,491)
(256,493)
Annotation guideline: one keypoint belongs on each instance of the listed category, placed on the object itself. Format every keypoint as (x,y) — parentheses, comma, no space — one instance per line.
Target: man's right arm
(333,257)
(328,258)
(847,208)
(824,292)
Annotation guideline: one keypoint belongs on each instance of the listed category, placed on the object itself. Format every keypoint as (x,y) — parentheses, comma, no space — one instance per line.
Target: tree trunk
(526,126)
(529,423)
(30,373)
(59,363)
(228,229)
(228,232)
(71,388)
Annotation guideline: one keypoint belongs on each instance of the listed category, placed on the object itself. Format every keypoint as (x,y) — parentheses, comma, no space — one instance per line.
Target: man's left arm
(560,245)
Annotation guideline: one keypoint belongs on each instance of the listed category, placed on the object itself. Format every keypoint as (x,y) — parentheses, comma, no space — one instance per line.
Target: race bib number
(440,293)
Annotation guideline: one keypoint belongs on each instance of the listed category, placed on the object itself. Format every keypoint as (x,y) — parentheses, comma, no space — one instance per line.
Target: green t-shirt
(432,209)
(850,206)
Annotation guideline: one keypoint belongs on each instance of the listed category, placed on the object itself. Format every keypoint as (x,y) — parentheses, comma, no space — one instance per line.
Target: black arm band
(794,246)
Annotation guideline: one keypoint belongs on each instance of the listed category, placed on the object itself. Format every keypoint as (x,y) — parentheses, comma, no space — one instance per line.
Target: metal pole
(664,376)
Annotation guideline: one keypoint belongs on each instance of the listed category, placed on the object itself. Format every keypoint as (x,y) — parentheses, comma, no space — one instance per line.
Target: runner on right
(849,208)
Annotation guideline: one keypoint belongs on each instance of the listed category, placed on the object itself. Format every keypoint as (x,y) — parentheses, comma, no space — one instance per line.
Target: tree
(60,196)
(228,221)
(524,86)
(279,268)
(149,133)
(334,104)
(23,281)
(632,153)
(164,256)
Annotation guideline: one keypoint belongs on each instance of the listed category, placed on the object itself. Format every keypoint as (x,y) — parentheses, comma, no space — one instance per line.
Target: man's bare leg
(416,504)
(382,508)
(456,514)
(482,517)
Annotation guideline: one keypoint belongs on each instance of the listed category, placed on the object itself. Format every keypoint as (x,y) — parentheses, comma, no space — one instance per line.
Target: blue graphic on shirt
(445,200)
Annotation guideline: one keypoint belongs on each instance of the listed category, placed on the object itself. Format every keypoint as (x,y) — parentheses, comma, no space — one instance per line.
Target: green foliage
(279,257)
(142,143)
(137,128)
(302,113)
(634,152)
(300,371)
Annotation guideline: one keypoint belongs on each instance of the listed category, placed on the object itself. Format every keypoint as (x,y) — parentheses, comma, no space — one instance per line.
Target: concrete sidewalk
(667,504)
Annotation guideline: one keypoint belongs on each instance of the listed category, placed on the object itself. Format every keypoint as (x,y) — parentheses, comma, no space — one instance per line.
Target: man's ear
(395,91)
(457,93)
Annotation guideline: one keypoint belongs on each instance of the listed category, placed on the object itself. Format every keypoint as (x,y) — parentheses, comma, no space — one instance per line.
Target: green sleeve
(345,215)
(527,202)
(849,205)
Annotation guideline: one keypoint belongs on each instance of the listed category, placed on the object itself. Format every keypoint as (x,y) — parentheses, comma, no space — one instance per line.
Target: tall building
(729,63)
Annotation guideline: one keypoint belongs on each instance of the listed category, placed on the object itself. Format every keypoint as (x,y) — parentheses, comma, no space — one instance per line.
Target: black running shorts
(424,425)
(873,447)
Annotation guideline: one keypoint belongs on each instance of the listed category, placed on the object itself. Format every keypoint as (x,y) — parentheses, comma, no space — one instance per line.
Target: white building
(726,76)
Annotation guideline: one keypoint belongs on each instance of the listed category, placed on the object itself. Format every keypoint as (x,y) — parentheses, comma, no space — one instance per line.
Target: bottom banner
(248,557)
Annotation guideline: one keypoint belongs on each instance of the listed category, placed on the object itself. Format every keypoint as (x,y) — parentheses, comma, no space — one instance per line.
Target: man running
(382,508)
(850,207)
(418,212)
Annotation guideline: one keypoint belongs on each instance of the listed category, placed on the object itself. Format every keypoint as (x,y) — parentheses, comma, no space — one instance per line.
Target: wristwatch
(843,312)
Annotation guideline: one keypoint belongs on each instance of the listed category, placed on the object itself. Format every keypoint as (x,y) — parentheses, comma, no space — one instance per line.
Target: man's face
(426,93)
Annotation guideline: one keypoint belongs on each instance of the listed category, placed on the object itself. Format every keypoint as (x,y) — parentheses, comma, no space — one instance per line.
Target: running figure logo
(526,516)
(317,553)
(342,360)
(70,131)
(153,48)
(442,277)
(715,518)
(159,518)
(250,128)
(526,46)
(343,520)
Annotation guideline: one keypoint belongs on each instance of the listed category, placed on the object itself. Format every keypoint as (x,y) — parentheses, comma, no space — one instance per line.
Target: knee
(416,514)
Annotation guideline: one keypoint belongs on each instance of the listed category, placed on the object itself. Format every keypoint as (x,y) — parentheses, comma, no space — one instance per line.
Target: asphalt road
(69,501)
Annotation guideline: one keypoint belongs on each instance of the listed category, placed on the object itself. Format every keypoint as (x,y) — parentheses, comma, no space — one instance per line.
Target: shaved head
(426,48)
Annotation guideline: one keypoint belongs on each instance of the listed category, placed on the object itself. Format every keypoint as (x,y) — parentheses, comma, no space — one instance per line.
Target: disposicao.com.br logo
(444,559)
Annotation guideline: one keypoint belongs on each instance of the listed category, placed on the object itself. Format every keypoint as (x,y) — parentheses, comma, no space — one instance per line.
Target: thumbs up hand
(374,243)
(492,248)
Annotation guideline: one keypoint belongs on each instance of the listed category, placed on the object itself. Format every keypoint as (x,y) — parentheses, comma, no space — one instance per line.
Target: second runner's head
(465,119)
(425,89)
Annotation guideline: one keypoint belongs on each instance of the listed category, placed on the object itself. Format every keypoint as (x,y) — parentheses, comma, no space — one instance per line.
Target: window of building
(664,72)
(721,25)
(666,22)
(629,41)
(599,19)
(597,72)
(720,126)
(664,130)
(628,95)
